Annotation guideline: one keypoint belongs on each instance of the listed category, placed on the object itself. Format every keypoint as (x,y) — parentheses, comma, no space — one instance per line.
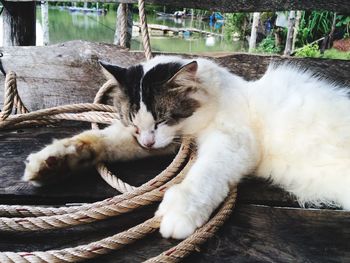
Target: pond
(65,25)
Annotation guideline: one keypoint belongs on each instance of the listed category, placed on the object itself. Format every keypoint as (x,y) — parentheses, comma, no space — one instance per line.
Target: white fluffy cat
(289,126)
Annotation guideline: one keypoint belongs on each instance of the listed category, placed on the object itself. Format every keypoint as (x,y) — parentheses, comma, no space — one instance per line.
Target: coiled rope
(34,218)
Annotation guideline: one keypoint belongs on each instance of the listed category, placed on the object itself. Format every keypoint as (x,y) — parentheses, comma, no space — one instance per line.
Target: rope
(124,24)
(129,236)
(144,30)
(29,218)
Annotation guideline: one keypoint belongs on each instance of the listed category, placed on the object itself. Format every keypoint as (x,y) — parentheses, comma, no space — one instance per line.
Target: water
(66,26)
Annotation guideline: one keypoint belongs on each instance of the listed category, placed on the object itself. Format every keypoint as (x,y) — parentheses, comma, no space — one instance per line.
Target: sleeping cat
(289,126)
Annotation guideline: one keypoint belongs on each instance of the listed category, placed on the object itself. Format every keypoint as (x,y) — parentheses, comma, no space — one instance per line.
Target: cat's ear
(186,74)
(113,71)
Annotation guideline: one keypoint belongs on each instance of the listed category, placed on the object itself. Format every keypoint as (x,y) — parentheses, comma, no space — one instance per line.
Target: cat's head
(158,98)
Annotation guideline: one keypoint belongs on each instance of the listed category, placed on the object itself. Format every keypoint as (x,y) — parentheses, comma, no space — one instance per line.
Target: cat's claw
(179,218)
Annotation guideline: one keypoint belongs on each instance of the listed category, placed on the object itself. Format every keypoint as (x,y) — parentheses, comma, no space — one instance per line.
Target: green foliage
(268,45)
(235,23)
(344,21)
(313,51)
(308,51)
(314,25)
(336,54)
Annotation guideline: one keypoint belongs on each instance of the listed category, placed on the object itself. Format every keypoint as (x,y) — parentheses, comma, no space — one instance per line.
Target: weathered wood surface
(267,225)
(253,233)
(19,24)
(240,5)
(70,73)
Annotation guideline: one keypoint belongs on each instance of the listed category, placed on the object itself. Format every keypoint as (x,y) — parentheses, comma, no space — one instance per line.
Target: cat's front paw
(179,212)
(50,164)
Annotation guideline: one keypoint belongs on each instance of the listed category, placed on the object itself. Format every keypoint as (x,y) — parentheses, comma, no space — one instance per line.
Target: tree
(255,24)
(290,33)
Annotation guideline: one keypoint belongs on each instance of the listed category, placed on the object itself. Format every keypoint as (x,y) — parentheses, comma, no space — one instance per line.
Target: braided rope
(144,30)
(129,236)
(124,24)
(110,209)
(28,218)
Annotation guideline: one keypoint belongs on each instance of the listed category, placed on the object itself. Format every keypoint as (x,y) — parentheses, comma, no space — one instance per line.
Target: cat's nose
(148,140)
(149,144)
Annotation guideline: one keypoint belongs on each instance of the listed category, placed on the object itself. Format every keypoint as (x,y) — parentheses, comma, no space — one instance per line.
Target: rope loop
(34,218)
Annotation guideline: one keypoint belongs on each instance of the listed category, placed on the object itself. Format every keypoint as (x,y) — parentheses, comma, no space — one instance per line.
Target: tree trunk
(119,25)
(331,34)
(19,23)
(290,33)
(45,22)
(255,24)
(296,29)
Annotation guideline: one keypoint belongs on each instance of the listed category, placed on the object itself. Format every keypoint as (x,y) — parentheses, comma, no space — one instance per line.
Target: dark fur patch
(130,82)
(161,99)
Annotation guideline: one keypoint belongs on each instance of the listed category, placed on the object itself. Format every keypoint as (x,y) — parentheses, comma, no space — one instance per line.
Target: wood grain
(70,73)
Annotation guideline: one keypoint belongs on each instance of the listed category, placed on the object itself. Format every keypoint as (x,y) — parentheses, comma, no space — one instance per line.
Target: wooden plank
(176,30)
(273,234)
(69,72)
(240,5)
(61,74)
(253,233)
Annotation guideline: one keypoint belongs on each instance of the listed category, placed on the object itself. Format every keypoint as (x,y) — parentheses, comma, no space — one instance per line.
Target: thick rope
(144,30)
(124,24)
(28,218)
(129,236)
(110,209)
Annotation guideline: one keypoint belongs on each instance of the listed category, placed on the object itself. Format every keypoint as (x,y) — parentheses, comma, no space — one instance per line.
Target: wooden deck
(266,226)
(176,30)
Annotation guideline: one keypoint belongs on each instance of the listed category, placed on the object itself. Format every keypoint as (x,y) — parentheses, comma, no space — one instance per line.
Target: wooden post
(45,22)
(290,33)
(119,25)
(19,23)
(255,24)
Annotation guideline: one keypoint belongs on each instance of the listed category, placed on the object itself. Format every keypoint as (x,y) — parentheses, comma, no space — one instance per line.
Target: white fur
(289,126)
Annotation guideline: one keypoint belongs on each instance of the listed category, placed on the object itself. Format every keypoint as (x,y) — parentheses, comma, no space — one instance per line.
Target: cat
(290,127)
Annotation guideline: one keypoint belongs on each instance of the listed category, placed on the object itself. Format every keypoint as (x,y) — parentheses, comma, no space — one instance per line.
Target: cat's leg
(116,142)
(222,160)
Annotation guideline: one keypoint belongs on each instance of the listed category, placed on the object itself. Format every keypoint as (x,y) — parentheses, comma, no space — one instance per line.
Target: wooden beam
(19,23)
(70,73)
(240,5)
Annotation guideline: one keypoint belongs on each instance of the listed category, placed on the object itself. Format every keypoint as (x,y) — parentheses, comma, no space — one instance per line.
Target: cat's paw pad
(176,225)
(180,217)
